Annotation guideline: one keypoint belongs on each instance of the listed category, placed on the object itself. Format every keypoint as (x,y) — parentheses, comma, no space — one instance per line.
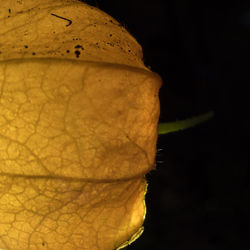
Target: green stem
(169,127)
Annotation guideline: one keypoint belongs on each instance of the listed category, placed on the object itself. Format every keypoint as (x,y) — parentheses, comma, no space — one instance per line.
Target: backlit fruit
(78,127)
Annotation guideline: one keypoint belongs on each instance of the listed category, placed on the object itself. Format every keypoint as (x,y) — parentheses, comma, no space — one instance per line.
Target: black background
(198,198)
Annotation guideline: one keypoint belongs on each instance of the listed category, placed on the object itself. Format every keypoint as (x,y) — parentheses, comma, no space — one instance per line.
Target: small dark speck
(129,50)
(111,44)
(43,243)
(110,35)
(33,53)
(79,47)
(26,46)
(0,52)
(111,21)
(67,51)
(77,52)
(9,10)
(105,23)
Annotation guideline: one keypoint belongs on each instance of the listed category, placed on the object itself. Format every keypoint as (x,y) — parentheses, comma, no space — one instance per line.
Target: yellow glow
(77,131)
